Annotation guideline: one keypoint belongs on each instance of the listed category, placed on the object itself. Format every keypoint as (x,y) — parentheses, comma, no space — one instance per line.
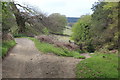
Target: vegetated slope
(60,51)
(6,45)
(99,66)
(25,61)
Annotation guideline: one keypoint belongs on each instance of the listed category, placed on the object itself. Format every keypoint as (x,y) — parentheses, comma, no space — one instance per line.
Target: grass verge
(19,35)
(49,48)
(98,66)
(6,45)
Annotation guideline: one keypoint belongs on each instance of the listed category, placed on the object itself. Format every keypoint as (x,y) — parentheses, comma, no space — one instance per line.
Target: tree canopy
(99,29)
(29,21)
(58,22)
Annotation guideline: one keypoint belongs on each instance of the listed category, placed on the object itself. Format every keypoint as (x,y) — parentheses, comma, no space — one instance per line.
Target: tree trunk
(19,18)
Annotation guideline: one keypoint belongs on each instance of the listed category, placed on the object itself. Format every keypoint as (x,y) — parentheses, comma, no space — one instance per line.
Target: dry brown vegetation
(52,40)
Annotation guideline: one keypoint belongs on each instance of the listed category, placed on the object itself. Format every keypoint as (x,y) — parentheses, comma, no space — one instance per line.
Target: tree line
(29,21)
(91,32)
(98,30)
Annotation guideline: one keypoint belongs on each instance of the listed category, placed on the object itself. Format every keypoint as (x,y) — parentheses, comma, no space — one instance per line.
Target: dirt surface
(25,61)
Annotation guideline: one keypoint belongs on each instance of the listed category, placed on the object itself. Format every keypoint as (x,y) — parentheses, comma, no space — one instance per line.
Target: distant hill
(72,19)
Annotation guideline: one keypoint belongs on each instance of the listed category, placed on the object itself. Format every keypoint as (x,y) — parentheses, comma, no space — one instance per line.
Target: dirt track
(25,61)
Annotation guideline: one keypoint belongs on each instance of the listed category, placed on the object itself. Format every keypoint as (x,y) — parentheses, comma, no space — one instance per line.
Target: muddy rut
(25,61)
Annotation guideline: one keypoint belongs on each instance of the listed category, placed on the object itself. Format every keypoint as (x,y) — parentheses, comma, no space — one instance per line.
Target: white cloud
(66,7)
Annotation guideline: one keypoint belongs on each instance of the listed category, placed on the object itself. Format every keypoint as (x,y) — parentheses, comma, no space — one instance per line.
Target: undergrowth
(6,45)
(50,48)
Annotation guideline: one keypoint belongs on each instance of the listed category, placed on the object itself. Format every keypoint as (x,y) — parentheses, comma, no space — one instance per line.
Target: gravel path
(25,61)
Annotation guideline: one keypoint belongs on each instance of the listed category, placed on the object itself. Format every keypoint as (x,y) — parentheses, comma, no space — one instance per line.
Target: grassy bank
(6,45)
(98,66)
(49,48)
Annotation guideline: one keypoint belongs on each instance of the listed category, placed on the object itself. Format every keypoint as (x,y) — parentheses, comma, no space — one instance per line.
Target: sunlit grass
(98,66)
(68,30)
(6,45)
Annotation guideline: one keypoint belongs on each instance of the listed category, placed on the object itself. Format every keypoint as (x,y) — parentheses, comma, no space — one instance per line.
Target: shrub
(19,35)
(90,48)
(46,31)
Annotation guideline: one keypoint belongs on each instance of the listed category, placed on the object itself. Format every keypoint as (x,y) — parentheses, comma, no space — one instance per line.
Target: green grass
(19,35)
(98,67)
(6,45)
(50,48)
(68,30)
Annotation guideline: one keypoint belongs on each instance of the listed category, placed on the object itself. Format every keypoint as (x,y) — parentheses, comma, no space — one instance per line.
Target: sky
(70,8)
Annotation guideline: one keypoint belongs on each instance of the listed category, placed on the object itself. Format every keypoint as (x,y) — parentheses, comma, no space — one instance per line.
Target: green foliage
(98,30)
(0,12)
(67,30)
(81,33)
(46,31)
(98,66)
(49,48)
(15,21)
(0,16)
(90,48)
(19,35)
(8,20)
(31,30)
(58,22)
(81,29)
(6,45)
(104,24)
(82,51)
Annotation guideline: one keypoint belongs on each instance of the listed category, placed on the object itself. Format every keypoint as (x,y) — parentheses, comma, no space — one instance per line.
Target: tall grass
(50,48)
